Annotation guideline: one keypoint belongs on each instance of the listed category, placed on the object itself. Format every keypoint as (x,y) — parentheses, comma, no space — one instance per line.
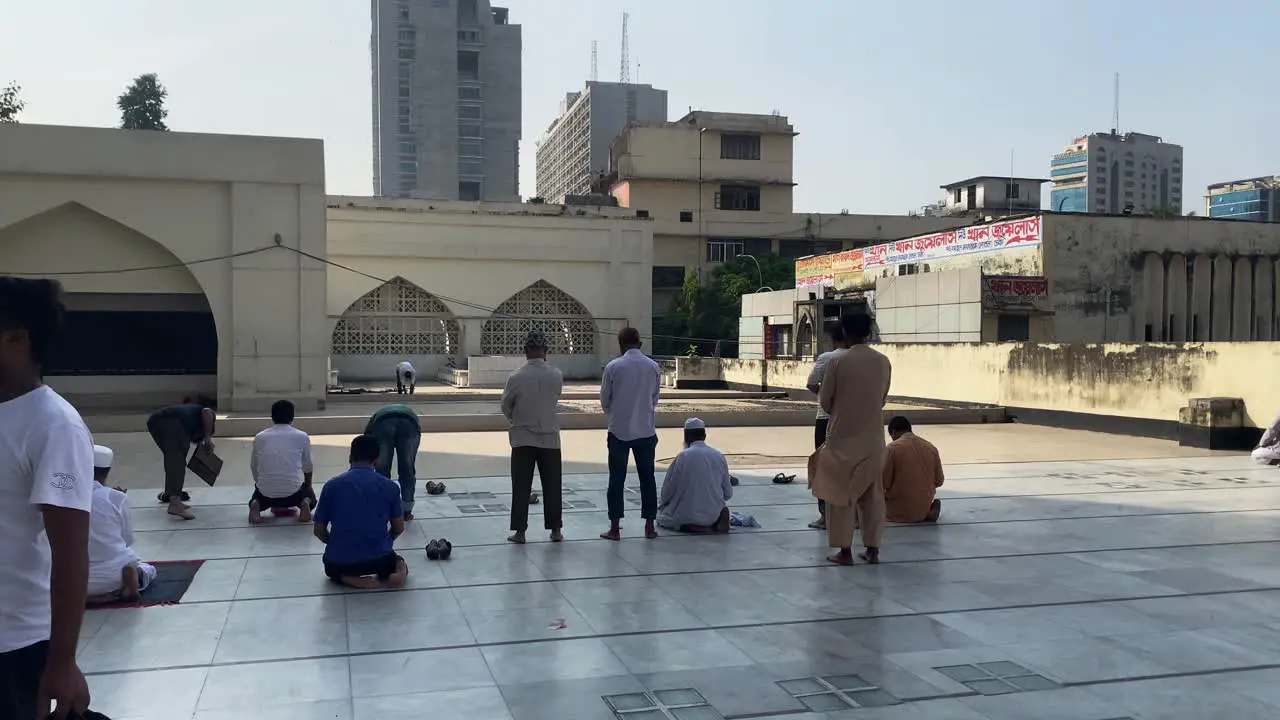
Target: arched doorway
(392,322)
(138,329)
(569,328)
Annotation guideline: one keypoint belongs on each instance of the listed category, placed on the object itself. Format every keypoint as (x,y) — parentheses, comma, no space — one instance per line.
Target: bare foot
(517,538)
(304,512)
(363,583)
(408,516)
(181,511)
(844,557)
(650,531)
(935,510)
(614,534)
(129,582)
(870,556)
(557,536)
(255,513)
(819,524)
(398,578)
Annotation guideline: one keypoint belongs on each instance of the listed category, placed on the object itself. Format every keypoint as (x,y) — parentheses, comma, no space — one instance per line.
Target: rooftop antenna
(624,67)
(1115,109)
(595,61)
(1009,193)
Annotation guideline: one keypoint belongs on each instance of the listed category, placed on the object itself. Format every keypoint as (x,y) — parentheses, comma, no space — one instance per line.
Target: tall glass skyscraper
(1256,199)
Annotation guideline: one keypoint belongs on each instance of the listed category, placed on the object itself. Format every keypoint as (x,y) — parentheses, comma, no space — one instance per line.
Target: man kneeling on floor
(696,487)
(358,519)
(116,573)
(281,467)
(912,476)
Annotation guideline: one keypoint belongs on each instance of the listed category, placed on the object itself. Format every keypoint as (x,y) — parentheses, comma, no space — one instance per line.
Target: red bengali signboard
(952,243)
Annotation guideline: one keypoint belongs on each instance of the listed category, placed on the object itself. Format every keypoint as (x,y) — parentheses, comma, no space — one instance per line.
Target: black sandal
(164,498)
(783,479)
(433,550)
(446,549)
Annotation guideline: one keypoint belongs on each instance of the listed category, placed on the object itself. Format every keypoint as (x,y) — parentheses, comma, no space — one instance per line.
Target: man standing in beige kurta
(845,472)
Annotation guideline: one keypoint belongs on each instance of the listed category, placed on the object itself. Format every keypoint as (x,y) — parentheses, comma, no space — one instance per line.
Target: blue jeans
(399,436)
(643,449)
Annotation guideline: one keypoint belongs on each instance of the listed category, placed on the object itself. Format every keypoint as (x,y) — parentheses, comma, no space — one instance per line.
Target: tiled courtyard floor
(1085,590)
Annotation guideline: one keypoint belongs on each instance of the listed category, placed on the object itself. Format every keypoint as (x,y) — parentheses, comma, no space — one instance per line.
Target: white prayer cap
(694,424)
(102,456)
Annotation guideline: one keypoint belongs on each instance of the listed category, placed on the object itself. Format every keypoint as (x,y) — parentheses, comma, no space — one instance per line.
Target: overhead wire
(169,266)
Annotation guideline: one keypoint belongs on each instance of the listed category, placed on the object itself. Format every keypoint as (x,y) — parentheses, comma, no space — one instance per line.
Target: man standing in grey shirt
(629,396)
(529,401)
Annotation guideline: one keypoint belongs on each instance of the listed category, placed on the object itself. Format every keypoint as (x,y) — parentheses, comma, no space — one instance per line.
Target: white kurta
(111,542)
(696,488)
(1268,450)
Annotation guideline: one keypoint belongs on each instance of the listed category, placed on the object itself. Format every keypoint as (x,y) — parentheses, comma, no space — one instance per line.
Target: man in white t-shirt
(406,377)
(281,467)
(115,570)
(839,347)
(46,491)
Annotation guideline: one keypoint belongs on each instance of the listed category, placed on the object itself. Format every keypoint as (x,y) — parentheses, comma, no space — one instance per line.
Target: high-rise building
(1256,199)
(575,149)
(1110,173)
(446,100)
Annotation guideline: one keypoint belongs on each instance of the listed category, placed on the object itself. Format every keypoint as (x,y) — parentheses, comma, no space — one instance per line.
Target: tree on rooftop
(11,103)
(706,312)
(142,104)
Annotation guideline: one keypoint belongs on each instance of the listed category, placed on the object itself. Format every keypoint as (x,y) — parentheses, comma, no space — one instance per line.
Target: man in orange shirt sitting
(912,476)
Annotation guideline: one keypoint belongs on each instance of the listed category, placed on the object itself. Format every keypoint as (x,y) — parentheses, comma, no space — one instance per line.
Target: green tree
(708,311)
(142,104)
(11,103)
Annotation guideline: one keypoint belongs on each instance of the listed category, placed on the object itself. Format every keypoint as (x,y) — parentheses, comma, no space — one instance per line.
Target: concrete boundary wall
(1139,382)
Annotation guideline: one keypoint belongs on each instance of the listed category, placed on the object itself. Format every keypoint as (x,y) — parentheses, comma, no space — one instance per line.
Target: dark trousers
(643,449)
(20,672)
(175,445)
(399,436)
(293,501)
(407,382)
(547,461)
(820,437)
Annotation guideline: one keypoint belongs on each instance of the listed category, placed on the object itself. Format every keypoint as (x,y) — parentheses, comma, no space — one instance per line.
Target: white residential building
(1110,173)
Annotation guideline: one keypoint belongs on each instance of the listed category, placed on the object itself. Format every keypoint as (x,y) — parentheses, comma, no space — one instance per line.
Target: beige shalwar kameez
(846,471)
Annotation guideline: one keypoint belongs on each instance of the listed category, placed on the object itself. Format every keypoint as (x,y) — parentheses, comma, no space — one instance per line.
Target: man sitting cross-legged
(281,467)
(115,570)
(912,476)
(358,519)
(696,487)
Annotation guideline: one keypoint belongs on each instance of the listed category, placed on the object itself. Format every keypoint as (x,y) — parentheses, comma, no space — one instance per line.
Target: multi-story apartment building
(720,185)
(446,100)
(992,195)
(1113,174)
(1256,199)
(574,152)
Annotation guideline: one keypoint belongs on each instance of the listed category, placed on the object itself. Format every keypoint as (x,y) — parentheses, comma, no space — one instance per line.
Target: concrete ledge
(354,424)
(1114,424)
(1219,438)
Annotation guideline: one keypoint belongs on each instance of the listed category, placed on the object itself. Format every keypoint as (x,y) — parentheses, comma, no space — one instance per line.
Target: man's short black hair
(835,332)
(695,435)
(282,412)
(629,337)
(364,449)
(899,424)
(857,327)
(34,305)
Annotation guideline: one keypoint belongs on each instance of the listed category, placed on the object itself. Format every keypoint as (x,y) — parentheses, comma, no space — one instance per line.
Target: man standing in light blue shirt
(629,396)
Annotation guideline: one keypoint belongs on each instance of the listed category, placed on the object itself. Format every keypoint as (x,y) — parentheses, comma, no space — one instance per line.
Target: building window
(468,65)
(957,196)
(469,166)
(470,148)
(404,91)
(668,276)
(408,147)
(1011,191)
(686,216)
(469,112)
(1013,328)
(719,251)
(404,12)
(406,36)
(738,197)
(469,190)
(468,14)
(468,92)
(469,36)
(408,166)
(407,53)
(740,147)
(469,130)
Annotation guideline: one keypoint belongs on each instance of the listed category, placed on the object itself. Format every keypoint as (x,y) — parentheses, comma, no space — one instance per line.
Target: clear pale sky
(891,98)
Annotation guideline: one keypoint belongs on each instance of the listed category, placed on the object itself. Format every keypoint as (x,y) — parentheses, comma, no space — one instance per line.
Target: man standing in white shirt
(697,488)
(406,377)
(839,347)
(629,396)
(530,401)
(46,491)
(115,570)
(281,467)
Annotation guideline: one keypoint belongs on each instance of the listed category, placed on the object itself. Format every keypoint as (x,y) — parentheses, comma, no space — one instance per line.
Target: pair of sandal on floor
(439,549)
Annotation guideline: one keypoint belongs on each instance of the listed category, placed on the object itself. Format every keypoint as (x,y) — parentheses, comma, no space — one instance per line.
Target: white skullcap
(694,424)
(102,456)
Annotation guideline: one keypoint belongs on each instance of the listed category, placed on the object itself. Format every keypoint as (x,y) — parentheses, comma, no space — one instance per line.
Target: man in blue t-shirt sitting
(358,519)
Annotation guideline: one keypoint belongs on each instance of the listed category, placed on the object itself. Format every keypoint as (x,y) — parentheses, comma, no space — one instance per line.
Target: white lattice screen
(397,318)
(566,323)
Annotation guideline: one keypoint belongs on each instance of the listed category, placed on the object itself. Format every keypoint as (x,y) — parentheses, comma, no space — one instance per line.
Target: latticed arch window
(397,318)
(566,323)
